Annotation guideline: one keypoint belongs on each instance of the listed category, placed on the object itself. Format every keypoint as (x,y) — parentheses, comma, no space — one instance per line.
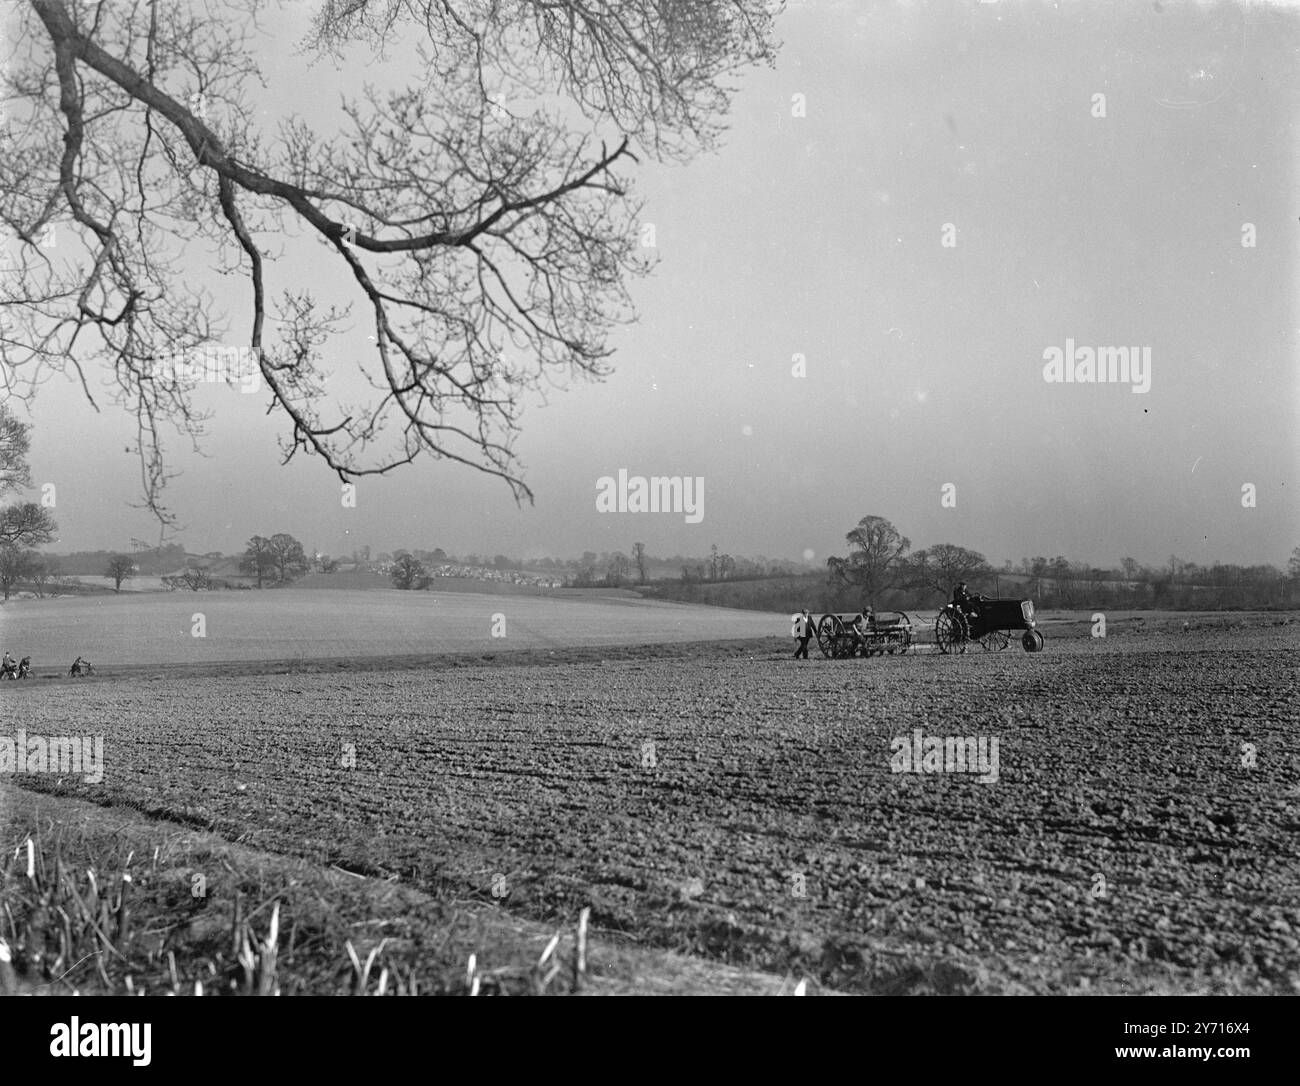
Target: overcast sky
(822,235)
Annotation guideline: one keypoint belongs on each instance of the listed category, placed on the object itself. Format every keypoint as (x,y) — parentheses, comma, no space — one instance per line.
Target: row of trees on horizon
(880,568)
(878,571)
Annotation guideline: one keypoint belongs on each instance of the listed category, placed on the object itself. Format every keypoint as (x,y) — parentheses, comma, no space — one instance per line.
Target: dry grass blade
(356,963)
(370,961)
(550,949)
(580,957)
(123,912)
(266,971)
(541,977)
(247,960)
(237,924)
(361,973)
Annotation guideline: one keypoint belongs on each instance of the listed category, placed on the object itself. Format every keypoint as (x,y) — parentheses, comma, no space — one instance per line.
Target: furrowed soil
(735,805)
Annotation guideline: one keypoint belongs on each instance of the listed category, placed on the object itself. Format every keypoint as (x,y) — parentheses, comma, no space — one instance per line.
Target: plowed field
(1142,833)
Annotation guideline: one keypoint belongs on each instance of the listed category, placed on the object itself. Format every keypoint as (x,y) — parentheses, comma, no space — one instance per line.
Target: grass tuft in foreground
(85,913)
(104,901)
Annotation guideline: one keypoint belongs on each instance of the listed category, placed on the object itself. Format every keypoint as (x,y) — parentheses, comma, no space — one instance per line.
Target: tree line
(881,570)
(878,564)
(410,568)
(618,569)
(878,570)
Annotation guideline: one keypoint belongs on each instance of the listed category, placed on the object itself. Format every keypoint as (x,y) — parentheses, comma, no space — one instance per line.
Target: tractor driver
(964,601)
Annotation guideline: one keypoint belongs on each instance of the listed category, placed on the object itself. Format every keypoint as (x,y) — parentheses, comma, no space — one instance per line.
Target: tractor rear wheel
(950,633)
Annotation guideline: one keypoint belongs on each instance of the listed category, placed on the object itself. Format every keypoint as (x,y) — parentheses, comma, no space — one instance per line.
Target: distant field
(303,624)
(352,579)
(364,579)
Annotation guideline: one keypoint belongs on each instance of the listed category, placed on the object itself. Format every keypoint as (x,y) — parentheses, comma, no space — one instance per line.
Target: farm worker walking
(803,630)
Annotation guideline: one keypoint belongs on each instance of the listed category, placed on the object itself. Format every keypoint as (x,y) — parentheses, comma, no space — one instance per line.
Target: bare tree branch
(485,230)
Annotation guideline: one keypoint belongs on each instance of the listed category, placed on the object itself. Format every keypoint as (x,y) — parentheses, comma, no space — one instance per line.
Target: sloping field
(1140,831)
(304,624)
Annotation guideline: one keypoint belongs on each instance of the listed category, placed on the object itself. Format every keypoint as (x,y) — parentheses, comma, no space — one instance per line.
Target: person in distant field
(803,630)
(7,665)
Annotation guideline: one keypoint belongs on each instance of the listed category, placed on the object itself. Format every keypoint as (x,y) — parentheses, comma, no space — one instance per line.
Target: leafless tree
(119,567)
(258,559)
(618,568)
(24,524)
(876,559)
(43,571)
(481,216)
(638,557)
(193,579)
(15,565)
(15,443)
(408,573)
(287,556)
(944,566)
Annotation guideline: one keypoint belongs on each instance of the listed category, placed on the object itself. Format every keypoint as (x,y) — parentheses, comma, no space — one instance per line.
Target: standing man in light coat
(803,631)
